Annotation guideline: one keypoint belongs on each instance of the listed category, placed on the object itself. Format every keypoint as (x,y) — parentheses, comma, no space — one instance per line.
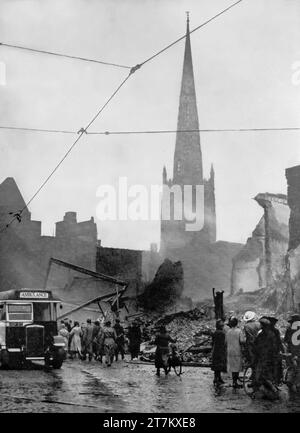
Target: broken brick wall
(293,255)
(262,260)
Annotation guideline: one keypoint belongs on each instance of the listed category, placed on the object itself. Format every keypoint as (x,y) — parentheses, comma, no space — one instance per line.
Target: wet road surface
(80,386)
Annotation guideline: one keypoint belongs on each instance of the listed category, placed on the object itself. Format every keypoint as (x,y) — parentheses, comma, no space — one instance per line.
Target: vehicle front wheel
(59,357)
(4,359)
(57,363)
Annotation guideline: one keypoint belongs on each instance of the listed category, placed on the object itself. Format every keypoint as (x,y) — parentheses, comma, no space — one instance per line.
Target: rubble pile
(165,289)
(192,330)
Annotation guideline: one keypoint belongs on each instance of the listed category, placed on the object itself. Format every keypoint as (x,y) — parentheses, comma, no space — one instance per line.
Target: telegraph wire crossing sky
(17,215)
(233,92)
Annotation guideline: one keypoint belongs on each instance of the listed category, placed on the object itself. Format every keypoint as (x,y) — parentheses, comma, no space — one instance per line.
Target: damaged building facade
(293,254)
(270,259)
(261,261)
(25,253)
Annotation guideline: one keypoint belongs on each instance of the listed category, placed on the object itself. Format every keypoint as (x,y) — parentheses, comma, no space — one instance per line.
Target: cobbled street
(90,387)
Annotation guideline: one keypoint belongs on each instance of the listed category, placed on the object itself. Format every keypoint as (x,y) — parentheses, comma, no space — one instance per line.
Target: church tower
(187,170)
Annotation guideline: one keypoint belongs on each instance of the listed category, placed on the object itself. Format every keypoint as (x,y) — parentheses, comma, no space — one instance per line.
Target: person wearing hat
(265,346)
(292,341)
(251,329)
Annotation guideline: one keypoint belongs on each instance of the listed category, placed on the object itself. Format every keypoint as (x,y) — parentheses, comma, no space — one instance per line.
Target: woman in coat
(234,339)
(63,332)
(75,335)
(218,362)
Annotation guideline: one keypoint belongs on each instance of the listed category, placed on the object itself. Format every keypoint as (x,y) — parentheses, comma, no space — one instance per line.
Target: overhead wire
(151,131)
(36,50)
(82,131)
(191,31)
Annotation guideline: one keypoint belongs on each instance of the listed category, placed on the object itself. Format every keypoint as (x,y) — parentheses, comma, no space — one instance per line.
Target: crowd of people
(251,342)
(100,339)
(256,343)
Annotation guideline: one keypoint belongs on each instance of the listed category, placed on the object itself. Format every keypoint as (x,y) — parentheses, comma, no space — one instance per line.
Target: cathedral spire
(188,158)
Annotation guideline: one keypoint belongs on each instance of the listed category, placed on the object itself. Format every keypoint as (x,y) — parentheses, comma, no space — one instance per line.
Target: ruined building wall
(262,260)
(25,254)
(293,255)
(136,267)
(122,264)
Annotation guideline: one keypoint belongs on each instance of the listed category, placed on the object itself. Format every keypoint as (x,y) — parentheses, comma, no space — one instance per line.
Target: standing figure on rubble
(218,363)
(120,339)
(162,341)
(109,342)
(218,301)
(135,338)
(234,341)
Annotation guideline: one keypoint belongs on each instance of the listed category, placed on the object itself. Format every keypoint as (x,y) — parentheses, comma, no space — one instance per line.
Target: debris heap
(193,332)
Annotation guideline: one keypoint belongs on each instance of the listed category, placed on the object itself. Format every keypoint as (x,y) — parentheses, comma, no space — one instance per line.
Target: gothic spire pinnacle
(187,20)
(188,158)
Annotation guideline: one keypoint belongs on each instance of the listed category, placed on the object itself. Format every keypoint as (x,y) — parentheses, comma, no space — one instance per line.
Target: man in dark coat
(278,372)
(96,330)
(120,340)
(87,340)
(218,362)
(135,337)
(265,350)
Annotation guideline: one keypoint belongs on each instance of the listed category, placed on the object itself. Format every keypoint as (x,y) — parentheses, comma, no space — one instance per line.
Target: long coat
(234,351)
(87,338)
(75,336)
(266,354)
(218,361)
(162,341)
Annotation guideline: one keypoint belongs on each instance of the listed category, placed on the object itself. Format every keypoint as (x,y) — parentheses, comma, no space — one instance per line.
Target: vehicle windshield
(19,312)
(42,312)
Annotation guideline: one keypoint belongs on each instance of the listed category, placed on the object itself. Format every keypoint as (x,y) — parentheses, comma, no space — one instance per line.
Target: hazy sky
(243,72)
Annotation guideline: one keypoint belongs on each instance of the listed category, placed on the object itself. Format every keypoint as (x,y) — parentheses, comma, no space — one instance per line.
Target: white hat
(248,316)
